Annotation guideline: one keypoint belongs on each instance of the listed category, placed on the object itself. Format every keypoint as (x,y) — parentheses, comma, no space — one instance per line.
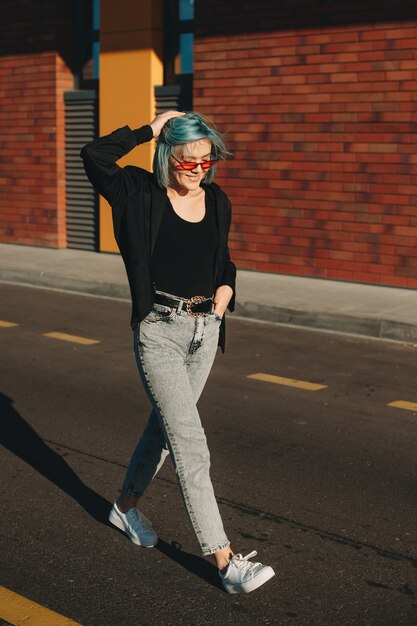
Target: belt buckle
(195,300)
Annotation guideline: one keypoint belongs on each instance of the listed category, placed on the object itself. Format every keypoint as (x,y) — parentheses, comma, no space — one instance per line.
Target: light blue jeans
(174,353)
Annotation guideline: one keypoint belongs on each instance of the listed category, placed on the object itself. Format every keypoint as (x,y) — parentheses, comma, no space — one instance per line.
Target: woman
(172,228)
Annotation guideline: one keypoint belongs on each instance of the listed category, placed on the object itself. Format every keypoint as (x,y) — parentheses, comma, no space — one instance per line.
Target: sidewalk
(373,311)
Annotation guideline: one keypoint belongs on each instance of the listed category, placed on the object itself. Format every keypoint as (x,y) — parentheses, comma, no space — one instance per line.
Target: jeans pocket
(160,313)
(217,317)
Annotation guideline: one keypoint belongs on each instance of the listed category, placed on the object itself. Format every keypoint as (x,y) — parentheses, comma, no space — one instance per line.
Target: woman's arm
(100,156)
(224,298)
(225,295)
(113,182)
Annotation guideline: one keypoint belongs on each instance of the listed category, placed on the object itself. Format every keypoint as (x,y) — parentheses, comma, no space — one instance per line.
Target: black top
(183,257)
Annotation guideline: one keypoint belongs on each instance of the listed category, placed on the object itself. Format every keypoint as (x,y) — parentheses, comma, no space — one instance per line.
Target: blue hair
(182,130)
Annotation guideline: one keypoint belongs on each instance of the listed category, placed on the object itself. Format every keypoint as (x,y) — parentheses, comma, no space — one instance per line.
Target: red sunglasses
(190,165)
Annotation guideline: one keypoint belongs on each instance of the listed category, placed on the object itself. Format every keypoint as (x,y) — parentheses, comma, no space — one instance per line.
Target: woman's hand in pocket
(222,298)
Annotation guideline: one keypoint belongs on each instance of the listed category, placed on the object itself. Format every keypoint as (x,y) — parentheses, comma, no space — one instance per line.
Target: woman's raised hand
(161,119)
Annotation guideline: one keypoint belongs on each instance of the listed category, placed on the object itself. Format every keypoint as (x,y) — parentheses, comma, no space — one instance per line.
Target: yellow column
(131,47)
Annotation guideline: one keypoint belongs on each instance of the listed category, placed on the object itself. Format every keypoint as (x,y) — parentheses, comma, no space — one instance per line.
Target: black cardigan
(138,203)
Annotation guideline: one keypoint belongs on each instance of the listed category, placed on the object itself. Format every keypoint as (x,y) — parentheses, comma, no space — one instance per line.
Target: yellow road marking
(289,382)
(402,404)
(73,338)
(4,324)
(18,610)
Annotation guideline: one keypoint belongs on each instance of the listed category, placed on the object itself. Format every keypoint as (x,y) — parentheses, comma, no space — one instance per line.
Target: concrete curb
(336,322)
(323,320)
(65,283)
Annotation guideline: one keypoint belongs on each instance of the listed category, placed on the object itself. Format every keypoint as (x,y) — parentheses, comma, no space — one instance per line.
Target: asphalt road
(322,483)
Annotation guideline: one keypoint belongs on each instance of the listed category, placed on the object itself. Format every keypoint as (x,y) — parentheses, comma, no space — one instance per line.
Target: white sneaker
(242,576)
(136,526)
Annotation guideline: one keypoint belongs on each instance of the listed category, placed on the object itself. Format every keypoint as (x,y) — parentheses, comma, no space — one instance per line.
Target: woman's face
(197,151)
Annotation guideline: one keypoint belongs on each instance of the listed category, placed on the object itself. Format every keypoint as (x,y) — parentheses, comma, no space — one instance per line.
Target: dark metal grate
(82,200)
(177,97)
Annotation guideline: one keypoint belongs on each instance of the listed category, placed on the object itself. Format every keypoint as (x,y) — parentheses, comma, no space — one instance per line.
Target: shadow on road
(194,564)
(17,436)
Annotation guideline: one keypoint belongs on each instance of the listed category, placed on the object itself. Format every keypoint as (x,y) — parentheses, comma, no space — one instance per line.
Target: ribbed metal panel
(167,98)
(82,201)
(175,97)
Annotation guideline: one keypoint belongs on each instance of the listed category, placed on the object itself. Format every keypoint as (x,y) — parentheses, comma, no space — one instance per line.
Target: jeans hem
(208,551)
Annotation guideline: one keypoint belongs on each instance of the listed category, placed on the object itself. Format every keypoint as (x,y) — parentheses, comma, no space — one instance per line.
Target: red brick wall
(34,76)
(320,111)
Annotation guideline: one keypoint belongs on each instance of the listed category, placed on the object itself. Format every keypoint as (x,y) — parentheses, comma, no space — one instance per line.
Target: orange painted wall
(131,47)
